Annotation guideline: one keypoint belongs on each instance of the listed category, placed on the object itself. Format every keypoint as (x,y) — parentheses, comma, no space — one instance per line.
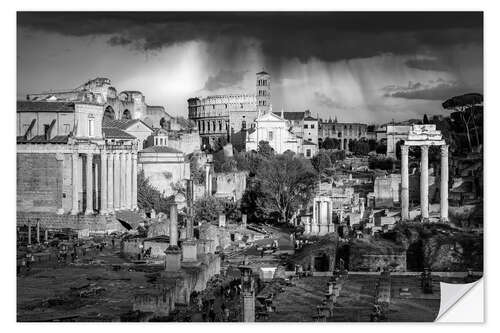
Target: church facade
(276,131)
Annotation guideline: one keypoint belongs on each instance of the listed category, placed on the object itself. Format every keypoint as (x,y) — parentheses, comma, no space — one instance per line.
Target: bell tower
(263,92)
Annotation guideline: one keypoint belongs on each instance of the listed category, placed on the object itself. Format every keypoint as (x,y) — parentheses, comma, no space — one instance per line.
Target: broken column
(208,180)
(173,253)
(405,194)
(248,294)
(222,220)
(29,233)
(444,183)
(244,220)
(424,183)
(38,231)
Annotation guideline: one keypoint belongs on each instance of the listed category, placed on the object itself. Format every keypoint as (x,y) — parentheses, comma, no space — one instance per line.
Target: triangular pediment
(270,117)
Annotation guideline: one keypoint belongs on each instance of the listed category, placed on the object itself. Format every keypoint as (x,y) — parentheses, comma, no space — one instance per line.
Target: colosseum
(225,116)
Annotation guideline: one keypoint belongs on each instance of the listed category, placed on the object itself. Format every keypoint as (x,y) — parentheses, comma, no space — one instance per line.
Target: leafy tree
(197,172)
(381,149)
(248,161)
(321,161)
(207,208)
(285,182)
(330,143)
(148,197)
(465,105)
(372,144)
(265,149)
(382,163)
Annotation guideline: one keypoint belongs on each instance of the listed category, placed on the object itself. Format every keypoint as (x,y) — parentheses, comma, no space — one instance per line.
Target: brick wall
(95,224)
(38,183)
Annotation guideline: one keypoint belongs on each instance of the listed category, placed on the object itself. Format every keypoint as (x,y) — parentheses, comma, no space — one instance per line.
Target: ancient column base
(89,212)
(444,220)
(189,250)
(424,219)
(173,259)
(74,212)
(60,211)
(248,301)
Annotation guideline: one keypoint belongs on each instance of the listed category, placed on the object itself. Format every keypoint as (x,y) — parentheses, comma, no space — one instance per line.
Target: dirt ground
(80,292)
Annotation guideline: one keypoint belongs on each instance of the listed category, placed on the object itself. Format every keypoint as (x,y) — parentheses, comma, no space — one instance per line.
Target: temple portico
(113,183)
(424,136)
(321,222)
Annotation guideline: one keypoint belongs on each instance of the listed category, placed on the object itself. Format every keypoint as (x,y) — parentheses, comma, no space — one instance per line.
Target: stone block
(189,250)
(172,259)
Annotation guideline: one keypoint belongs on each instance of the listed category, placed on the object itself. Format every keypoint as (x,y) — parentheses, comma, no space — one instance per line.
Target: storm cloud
(436,90)
(328,36)
(224,79)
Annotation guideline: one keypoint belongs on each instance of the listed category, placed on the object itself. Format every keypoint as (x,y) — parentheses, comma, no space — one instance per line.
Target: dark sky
(364,66)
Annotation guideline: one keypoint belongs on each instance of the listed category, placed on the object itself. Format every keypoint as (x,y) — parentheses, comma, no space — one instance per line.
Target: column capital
(404,149)
(424,148)
(444,150)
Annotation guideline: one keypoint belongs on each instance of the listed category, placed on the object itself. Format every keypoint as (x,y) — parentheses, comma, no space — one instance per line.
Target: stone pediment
(270,117)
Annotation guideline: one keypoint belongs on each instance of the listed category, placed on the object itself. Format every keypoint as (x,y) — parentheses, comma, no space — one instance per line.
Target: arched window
(127,115)
(109,113)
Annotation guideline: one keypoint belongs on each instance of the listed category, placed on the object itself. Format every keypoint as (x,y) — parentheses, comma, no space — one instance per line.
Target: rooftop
(28,106)
(160,149)
(122,124)
(116,133)
(299,115)
(42,139)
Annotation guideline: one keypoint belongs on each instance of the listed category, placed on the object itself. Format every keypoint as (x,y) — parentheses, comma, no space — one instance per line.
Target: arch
(126,114)
(109,113)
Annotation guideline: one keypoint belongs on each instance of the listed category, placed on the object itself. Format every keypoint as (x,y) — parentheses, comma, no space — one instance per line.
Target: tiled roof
(28,106)
(116,133)
(310,118)
(293,115)
(122,124)
(41,139)
(263,72)
(160,149)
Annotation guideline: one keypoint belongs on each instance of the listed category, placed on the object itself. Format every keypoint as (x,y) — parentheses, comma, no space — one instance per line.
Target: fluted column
(173,225)
(444,183)
(134,181)
(74,183)
(128,180)
(122,181)
(207,180)
(104,182)
(110,177)
(405,194)
(424,182)
(116,181)
(89,182)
